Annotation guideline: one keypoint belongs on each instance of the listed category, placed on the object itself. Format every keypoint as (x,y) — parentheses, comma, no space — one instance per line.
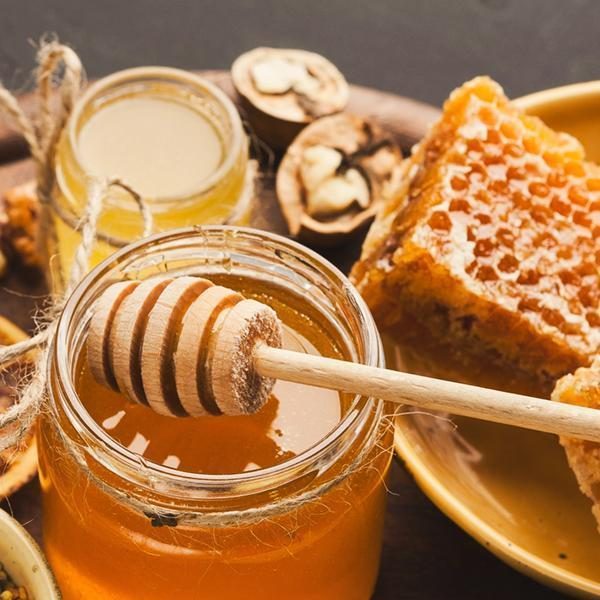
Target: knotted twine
(59,69)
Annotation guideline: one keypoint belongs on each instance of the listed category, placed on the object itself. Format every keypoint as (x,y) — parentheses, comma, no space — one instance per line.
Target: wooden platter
(425,555)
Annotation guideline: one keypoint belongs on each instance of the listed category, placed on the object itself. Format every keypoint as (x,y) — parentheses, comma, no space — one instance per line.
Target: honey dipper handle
(429,394)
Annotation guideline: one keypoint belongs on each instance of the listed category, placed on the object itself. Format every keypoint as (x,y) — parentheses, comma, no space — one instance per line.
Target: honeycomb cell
(514,151)
(499,187)
(475,146)
(532,170)
(593,318)
(587,268)
(440,221)
(484,247)
(581,218)
(459,184)
(493,158)
(553,159)
(569,328)
(487,273)
(578,196)
(530,303)
(593,184)
(576,169)
(587,298)
(532,145)
(488,116)
(471,267)
(575,306)
(565,253)
(552,316)
(510,130)
(529,277)
(459,205)
(541,214)
(569,277)
(493,137)
(557,179)
(508,264)
(516,172)
(545,239)
(477,171)
(539,189)
(560,206)
(506,237)
(521,201)
(483,218)
(483,196)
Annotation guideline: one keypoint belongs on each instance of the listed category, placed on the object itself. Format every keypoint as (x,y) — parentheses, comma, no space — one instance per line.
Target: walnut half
(330,192)
(282,90)
(334,176)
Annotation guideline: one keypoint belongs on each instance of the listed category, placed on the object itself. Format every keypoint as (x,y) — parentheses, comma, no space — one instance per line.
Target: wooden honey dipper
(186,347)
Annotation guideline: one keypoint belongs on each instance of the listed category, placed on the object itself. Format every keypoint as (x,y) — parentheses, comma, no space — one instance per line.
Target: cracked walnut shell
(334,177)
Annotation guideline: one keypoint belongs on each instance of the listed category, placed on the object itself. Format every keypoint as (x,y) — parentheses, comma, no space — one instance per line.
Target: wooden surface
(425,555)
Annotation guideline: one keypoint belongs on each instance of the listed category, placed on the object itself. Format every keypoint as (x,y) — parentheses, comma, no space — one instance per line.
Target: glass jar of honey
(173,137)
(286,503)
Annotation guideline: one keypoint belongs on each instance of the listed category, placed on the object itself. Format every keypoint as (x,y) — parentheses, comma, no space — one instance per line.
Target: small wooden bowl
(24,561)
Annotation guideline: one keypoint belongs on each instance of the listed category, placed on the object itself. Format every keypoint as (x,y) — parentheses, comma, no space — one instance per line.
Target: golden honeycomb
(583,388)
(493,239)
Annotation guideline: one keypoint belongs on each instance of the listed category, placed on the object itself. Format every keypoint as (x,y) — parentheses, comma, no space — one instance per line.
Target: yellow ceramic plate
(511,489)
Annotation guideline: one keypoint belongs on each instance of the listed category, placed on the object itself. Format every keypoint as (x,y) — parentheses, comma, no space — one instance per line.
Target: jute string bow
(59,75)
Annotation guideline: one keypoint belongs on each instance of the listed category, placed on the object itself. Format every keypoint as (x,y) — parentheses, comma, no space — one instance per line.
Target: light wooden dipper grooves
(188,347)
(182,346)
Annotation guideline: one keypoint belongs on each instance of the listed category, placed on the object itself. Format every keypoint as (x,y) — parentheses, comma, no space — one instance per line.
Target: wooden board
(425,555)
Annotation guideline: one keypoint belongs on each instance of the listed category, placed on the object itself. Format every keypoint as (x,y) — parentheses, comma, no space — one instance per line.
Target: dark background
(417,48)
(421,49)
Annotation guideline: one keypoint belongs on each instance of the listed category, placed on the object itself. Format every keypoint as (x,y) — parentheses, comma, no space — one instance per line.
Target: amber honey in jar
(287,503)
(174,137)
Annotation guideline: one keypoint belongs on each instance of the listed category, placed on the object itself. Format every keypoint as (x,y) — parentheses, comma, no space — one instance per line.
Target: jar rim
(172,75)
(89,429)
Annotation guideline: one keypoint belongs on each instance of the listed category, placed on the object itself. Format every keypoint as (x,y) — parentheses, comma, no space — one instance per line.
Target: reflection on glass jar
(172,136)
(288,503)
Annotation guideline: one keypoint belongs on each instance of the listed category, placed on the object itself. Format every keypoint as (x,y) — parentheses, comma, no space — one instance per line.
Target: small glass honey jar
(172,136)
(285,503)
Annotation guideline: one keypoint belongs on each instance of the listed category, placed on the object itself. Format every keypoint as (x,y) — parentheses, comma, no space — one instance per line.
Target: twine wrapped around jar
(59,70)
(59,73)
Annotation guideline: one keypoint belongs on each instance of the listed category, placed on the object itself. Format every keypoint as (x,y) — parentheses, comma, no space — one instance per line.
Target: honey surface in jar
(294,418)
(301,553)
(161,148)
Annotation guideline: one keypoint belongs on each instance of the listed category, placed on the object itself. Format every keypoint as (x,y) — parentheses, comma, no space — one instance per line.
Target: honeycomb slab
(583,388)
(493,239)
